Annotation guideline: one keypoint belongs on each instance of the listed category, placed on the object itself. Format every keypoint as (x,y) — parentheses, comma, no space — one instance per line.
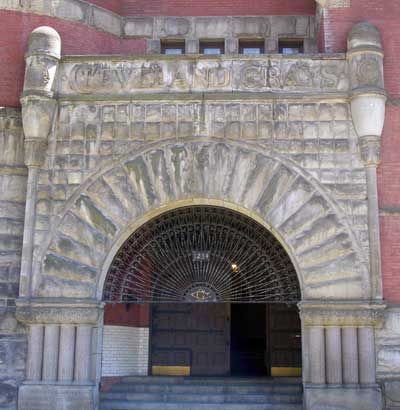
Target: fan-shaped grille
(202,254)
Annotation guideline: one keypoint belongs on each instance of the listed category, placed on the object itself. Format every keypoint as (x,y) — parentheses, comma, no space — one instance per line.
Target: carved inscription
(267,74)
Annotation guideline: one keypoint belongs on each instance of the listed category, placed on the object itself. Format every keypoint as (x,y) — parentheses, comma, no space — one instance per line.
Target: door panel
(195,336)
(284,339)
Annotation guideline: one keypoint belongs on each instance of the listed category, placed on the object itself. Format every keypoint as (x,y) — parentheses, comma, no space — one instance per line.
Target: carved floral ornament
(183,75)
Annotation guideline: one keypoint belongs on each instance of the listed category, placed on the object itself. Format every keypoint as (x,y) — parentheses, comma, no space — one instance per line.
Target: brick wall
(125,351)
(216,8)
(15,29)
(127,315)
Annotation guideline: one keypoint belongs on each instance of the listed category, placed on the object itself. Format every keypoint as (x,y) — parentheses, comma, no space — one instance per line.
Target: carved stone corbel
(368,99)
(38,108)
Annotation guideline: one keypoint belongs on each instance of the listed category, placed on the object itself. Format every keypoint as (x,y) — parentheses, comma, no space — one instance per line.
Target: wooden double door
(214,339)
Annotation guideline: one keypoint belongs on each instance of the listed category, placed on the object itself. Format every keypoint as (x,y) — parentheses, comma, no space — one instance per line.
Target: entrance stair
(203,393)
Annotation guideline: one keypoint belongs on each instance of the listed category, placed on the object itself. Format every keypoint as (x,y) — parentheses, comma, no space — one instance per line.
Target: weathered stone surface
(251,26)
(37,397)
(139,27)
(198,170)
(341,398)
(173,27)
(392,394)
(140,75)
(67,311)
(70,9)
(104,20)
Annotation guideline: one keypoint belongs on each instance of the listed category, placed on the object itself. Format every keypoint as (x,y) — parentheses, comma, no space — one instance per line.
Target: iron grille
(201,254)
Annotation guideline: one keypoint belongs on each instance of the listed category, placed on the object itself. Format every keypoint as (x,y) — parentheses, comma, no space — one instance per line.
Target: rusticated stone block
(173,27)
(212,27)
(251,26)
(70,10)
(139,27)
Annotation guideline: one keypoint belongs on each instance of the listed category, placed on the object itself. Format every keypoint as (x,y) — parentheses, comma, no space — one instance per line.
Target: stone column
(59,353)
(350,355)
(50,352)
(366,347)
(317,354)
(365,56)
(83,353)
(38,107)
(341,354)
(333,355)
(35,352)
(67,353)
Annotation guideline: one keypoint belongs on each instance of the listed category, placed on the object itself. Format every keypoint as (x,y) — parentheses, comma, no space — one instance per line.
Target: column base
(55,397)
(342,398)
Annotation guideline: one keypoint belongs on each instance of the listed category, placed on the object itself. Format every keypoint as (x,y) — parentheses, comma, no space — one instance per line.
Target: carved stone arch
(274,190)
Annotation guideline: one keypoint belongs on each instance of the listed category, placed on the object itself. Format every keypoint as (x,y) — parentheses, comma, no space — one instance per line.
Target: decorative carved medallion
(368,72)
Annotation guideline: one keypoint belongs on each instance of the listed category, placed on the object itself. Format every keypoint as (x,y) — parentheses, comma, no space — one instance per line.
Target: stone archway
(338,318)
(110,204)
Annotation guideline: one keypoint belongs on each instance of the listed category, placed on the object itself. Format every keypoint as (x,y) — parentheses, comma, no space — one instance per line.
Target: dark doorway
(248,340)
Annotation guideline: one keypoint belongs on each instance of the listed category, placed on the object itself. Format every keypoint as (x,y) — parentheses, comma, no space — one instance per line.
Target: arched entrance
(220,290)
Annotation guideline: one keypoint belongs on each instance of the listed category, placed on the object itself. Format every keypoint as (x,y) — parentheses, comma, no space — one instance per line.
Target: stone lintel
(342,313)
(58,311)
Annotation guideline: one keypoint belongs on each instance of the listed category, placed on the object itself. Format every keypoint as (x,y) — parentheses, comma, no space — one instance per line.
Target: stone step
(207,388)
(210,380)
(204,398)
(160,405)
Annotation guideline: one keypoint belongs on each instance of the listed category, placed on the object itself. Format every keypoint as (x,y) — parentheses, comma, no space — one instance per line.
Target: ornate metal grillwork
(202,254)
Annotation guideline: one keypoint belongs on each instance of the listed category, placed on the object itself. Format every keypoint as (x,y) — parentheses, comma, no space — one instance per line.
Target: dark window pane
(251,47)
(173,47)
(291,46)
(214,47)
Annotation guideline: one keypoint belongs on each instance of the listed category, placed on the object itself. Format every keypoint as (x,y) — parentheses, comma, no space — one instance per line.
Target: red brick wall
(390,233)
(76,38)
(127,315)
(217,8)
(385,15)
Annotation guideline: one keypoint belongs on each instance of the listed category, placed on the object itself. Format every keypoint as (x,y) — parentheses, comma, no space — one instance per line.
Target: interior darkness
(248,339)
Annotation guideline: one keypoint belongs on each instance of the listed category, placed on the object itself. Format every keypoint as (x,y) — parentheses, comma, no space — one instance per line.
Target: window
(291,46)
(173,47)
(251,47)
(212,47)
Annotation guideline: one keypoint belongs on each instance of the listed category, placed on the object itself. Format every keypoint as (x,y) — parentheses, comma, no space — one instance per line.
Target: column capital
(370,149)
(58,311)
(342,314)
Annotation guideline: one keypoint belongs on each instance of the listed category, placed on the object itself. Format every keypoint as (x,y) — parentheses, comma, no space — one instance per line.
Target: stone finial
(45,40)
(38,105)
(365,57)
(364,35)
